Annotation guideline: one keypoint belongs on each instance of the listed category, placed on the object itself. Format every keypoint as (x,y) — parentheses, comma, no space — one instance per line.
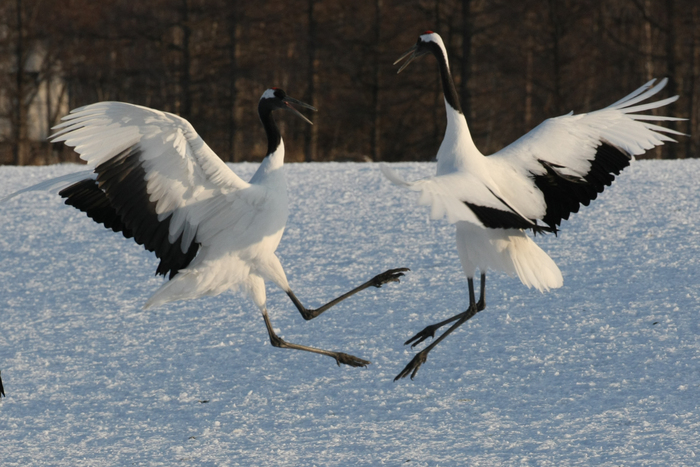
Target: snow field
(604,371)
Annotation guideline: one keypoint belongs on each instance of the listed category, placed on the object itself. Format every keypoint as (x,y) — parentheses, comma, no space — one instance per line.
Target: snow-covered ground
(604,371)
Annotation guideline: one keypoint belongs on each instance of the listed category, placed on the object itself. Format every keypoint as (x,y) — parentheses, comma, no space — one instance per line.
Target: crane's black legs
(429,331)
(339,357)
(392,275)
(420,358)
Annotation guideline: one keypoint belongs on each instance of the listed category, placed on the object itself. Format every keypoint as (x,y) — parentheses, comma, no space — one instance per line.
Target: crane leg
(392,275)
(429,331)
(339,357)
(461,318)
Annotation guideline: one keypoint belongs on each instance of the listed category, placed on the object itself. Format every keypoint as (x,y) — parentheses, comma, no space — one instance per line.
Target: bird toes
(350,360)
(421,336)
(413,366)
(392,275)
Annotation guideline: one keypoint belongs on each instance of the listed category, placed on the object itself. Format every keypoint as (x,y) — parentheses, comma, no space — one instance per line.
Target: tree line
(515,63)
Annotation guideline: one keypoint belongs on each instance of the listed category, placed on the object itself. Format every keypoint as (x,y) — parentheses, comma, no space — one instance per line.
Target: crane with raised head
(531,185)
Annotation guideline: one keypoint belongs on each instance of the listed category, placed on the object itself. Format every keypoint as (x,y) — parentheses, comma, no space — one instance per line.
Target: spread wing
(549,172)
(462,196)
(570,159)
(154,179)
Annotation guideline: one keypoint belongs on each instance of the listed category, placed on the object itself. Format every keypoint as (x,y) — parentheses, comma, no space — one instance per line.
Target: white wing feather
(568,144)
(570,141)
(446,194)
(53,185)
(184,176)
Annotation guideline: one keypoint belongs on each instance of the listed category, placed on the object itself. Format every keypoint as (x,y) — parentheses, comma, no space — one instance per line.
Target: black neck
(448,85)
(273,133)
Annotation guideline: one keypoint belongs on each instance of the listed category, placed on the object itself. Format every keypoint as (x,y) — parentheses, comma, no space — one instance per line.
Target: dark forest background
(515,63)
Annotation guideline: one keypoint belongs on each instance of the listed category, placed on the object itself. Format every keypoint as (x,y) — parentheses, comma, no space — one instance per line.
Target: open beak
(412,53)
(288,101)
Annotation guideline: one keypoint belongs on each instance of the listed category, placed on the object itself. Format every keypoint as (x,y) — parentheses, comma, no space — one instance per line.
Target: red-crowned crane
(154,179)
(531,184)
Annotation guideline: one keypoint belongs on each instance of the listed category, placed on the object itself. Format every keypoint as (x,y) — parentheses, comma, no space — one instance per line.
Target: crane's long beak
(288,101)
(412,53)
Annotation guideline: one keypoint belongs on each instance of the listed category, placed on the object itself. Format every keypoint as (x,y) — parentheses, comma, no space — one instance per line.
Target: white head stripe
(435,37)
(269,94)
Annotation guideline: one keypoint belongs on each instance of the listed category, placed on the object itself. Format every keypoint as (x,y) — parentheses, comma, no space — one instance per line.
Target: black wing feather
(493,218)
(564,195)
(118,199)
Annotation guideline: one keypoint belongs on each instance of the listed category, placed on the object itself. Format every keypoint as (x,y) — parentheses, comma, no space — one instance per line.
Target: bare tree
(20,146)
(515,64)
(312,48)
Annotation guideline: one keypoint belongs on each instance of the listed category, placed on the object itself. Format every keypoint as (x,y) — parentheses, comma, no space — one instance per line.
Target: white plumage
(187,181)
(533,183)
(153,178)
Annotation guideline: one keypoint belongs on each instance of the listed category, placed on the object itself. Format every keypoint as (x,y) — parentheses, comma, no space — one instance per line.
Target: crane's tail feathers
(189,284)
(533,266)
(53,185)
(185,285)
(172,291)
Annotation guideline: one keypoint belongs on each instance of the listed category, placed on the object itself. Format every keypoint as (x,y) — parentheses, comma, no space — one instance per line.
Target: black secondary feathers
(564,195)
(118,199)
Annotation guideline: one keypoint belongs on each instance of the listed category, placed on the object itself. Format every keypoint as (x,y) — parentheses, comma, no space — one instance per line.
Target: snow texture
(604,371)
